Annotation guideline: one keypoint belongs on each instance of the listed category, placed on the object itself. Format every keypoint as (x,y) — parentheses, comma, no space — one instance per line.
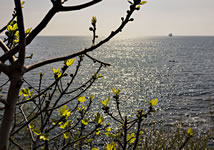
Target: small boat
(170,34)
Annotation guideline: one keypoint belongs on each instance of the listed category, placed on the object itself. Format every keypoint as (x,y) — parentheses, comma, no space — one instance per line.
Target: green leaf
(22,3)
(25,92)
(108,129)
(110,134)
(12,27)
(85,122)
(93,20)
(81,99)
(97,132)
(110,146)
(16,41)
(131,138)
(99,118)
(64,111)
(37,131)
(116,92)
(67,135)
(81,108)
(54,121)
(99,76)
(65,125)
(28,31)
(57,72)
(69,62)
(90,140)
(31,126)
(91,97)
(105,102)
(143,2)
(190,131)
(153,102)
(138,8)
(16,34)
(44,137)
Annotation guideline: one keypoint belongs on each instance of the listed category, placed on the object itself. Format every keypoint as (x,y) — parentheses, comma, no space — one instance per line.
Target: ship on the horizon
(170,34)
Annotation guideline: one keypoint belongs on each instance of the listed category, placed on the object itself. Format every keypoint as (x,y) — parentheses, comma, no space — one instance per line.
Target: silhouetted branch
(22,40)
(25,118)
(4,68)
(96,60)
(44,23)
(78,7)
(16,144)
(93,47)
(6,49)
(5,27)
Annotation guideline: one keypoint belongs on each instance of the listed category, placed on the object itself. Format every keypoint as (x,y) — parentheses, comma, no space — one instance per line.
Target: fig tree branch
(44,23)
(93,47)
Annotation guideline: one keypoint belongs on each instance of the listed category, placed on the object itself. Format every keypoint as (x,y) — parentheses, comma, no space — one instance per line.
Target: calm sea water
(179,71)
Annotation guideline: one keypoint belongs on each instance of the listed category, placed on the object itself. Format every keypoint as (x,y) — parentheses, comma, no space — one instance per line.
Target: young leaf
(100,76)
(153,102)
(37,131)
(28,31)
(105,102)
(143,2)
(44,137)
(90,140)
(85,122)
(111,146)
(93,20)
(108,129)
(69,62)
(110,135)
(64,111)
(97,132)
(190,132)
(81,99)
(65,125)
(116,92)
(99,118)
(67,135)
(22,3)
(131,138)
(57,72)
(91,97)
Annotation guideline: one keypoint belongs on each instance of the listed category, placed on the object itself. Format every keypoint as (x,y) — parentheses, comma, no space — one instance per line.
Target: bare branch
(16,144)
(5,27)
(4,83)
(93,47)
(3,101)
(78,7)
(4,68)
(26,120)
(96,60)
(22,40)
(44,23)
(6,49)
(32,35)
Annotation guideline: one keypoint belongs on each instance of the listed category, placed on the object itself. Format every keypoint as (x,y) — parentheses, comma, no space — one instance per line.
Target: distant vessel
(170,34)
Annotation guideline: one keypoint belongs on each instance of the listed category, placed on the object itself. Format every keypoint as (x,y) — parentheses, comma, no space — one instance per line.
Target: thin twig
(26,120)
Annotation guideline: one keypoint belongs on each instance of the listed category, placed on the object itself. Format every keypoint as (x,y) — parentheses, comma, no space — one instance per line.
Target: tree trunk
(9,112)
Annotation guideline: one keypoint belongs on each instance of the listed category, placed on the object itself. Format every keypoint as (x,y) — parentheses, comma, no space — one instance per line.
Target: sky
(156,18)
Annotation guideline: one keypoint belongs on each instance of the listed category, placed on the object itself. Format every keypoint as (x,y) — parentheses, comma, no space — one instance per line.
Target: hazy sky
(157,17)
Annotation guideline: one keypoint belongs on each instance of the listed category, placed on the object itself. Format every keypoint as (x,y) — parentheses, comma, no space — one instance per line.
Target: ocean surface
(179,71)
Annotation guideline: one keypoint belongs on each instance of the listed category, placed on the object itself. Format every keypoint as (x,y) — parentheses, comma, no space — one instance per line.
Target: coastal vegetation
(60,115)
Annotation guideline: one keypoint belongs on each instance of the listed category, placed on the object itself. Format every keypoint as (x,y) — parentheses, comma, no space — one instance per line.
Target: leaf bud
(91,29)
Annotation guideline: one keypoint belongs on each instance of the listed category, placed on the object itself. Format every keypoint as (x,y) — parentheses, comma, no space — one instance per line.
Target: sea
(178,71)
